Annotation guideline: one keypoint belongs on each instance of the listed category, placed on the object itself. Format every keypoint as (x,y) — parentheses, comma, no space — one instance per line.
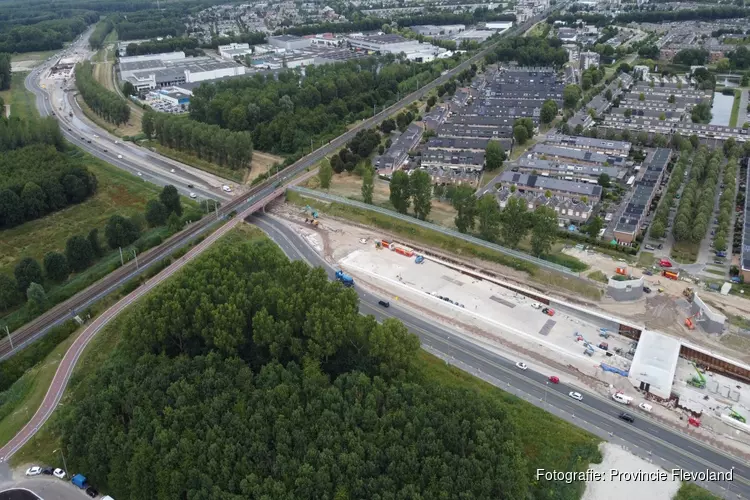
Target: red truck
(673,275)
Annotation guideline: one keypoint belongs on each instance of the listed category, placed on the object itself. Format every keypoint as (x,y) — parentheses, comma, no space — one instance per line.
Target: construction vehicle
(603,333)
(699,380)
(314,222)
(673,275)
(419,259)
(737,416)
(689,323)
(344,278)
(402,249)
(311,211)
(688,292)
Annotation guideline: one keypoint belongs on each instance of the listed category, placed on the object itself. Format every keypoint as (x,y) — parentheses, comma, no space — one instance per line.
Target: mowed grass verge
(118,193)
(21,101)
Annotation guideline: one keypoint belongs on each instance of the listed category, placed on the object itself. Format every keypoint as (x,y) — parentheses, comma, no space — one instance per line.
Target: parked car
(521,365)
(92,492)
(59,473)
(548,311)
(576,395)
(47,471)
(627,417)
(226,188)
(536,305)
(646,289)
(34,471)
(649,247)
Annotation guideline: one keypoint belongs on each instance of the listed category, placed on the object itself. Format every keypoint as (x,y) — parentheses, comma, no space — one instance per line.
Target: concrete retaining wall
(625,290)
(710,322)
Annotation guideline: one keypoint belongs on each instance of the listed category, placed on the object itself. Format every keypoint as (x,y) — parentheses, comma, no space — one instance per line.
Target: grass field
(118,193)
(685,252)
(21,101)
(547,441)
(646,259)
(598,276)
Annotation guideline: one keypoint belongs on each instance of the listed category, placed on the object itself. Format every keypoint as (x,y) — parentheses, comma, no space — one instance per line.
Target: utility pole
(122,262)
(9,337)
(63,457)
(136,258)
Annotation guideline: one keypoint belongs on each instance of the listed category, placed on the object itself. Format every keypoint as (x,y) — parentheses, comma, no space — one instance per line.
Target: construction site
(590,345)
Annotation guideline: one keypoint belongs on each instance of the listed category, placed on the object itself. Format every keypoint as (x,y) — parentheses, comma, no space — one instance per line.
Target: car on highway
(554,379)
(536,305)
(34,471)
(626,417)
(119,157)
(384,303)
(521,365)
(59,473)
(193,195)
(89,141)
(117,142)
(548,311)
(172,171)
(575,395)
(190,186)
(140,174)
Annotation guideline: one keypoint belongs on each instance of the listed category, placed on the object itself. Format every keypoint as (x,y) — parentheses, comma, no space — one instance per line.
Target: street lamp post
(63,457)
(9,337)
(546,386)
(136,259)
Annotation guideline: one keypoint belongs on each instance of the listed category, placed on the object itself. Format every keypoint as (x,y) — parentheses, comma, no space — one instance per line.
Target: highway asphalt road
(664,444)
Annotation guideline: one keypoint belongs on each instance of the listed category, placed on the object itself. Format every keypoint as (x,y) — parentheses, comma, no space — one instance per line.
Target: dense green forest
(36,180)
(247,376)
(208,142)
(149,24)
(5,72)
(103,102)
(283,115)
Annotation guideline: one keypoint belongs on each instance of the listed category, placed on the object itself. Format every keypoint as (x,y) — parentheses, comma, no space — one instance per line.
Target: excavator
(688,293)
(314,214)
(689,323)
(698,381)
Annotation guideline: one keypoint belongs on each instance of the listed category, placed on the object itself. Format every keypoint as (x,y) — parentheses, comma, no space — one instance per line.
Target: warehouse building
(289,42)
(234,50)
(152,74)
(432,30)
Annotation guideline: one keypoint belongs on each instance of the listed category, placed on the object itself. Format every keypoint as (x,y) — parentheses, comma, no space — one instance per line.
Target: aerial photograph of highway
(374,250)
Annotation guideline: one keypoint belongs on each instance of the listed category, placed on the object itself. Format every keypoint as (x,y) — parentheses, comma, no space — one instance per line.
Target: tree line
(251,37)
(528,51)
(376,23)
(283,115)
(31,279)
(37,180)
(663,16)
(103,102)
(187,45)
(5,73)
(254,377)
(697,202)
(148,24)
(727,198)
(103,28)
(676,178)
(16,133)
(208,142)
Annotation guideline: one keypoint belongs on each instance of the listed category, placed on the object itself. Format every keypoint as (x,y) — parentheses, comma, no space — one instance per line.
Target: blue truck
(344,278)
(80,481)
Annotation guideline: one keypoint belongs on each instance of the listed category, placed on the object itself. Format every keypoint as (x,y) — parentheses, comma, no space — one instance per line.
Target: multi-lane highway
(664,444)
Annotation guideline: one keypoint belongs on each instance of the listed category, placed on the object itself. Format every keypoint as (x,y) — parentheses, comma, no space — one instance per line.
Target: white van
(622,398)
(226,188)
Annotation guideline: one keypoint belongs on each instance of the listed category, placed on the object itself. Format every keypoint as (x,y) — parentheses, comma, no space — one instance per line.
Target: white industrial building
(289,42)
(153,73)
(234,50)
(166,56)
(655,363)
(499,26)
(394,44)
(432,30)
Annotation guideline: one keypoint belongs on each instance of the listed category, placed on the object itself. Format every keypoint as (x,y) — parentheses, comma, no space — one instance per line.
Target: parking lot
(153,100)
